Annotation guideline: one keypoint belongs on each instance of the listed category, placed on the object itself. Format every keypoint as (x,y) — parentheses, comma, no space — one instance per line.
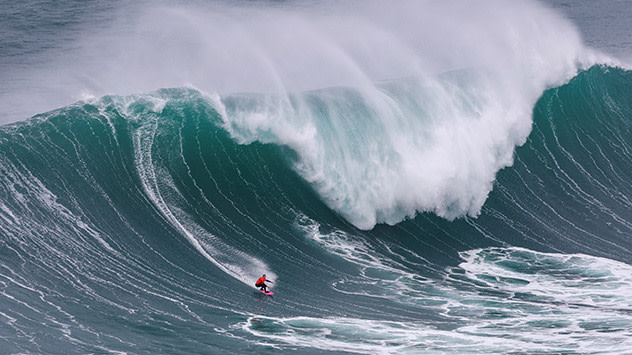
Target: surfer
(261,283)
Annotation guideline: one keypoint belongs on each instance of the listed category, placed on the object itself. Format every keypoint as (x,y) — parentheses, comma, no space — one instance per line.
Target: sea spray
(390,109)
(426,131)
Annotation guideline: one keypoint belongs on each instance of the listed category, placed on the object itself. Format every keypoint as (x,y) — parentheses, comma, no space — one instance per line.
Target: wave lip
(428,137)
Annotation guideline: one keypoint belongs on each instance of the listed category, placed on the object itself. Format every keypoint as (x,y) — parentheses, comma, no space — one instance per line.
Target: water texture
(410,186)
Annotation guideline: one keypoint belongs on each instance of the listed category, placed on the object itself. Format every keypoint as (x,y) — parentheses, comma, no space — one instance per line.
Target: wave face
(137,223)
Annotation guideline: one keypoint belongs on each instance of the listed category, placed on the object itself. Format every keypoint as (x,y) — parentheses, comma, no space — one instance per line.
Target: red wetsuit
(261,283)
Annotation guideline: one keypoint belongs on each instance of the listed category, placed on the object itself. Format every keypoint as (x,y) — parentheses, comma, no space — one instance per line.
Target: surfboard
(269,293)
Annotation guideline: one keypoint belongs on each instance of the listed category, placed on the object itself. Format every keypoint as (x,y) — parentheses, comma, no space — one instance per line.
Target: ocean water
(415,177)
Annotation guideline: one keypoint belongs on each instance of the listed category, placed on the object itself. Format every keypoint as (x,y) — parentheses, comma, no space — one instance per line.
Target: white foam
(564,278)
(497,299)
(381,152)
(365,336)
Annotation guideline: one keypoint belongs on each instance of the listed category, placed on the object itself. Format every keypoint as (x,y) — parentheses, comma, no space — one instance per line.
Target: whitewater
(414,176)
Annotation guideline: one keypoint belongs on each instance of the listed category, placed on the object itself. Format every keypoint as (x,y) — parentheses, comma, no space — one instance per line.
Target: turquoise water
(478,208)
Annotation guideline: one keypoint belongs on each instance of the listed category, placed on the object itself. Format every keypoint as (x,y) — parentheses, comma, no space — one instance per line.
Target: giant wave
(123,198)
(476,209)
